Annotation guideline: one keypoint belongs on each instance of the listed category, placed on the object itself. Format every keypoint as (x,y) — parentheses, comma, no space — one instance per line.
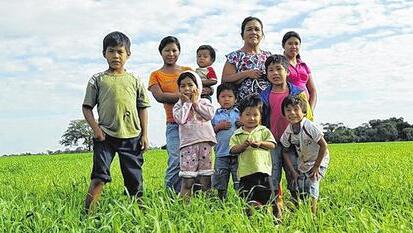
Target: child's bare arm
(237,149)
(208,82)
(222,125)
(287,160)
(90,118)
(163,97)
(315,170)
(143,118)
(266,145)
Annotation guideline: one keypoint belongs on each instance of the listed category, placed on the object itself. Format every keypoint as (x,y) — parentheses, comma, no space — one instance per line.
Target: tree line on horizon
(79,134)
(392,129)
(388,130)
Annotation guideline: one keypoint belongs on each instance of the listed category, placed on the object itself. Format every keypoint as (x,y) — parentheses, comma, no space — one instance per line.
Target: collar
(302,122)
(242,131)
(224,110)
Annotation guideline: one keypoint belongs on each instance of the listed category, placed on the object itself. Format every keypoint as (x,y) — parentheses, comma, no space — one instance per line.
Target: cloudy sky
(359,52)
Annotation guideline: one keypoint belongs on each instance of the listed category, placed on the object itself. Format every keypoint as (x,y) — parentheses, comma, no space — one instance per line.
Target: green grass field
(368,188)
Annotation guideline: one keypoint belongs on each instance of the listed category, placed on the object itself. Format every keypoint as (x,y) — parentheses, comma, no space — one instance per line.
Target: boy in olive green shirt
(121,101)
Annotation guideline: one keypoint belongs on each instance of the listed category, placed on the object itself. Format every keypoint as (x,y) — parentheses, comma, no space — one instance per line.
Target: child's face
(252,32)
(187,87)
(292,47)
(250,118)
(116,57)
(294,114)
(203,58)
(277,74)
(226,99)
(170,54)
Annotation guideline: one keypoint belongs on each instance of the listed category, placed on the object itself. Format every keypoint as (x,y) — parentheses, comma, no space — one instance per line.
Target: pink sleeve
(307,69)
(181,112)
(205,109)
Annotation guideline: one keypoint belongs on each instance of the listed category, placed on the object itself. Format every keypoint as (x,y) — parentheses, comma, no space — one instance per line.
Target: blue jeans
(277,165)
(172,179)
(224,168)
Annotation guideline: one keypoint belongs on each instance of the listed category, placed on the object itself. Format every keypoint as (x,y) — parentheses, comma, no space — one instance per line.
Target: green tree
(78,131)
(408,134)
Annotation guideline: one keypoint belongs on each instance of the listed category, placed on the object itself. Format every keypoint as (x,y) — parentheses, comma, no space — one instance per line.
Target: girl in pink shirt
(193,115)
(299,73)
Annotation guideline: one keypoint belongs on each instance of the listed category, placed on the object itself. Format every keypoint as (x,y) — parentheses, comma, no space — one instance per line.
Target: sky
(359,53)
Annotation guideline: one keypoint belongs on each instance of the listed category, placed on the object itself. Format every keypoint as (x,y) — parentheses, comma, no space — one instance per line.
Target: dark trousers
(130,158)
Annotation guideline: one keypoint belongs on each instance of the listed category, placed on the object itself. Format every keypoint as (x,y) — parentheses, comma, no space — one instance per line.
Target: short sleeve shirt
(168,83)
(278,122)
(118,97)
(306,144)
(223,136)
(253,160)
(299,75)
(244,61)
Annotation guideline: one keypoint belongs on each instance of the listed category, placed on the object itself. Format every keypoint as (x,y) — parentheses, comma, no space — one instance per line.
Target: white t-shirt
(306,144)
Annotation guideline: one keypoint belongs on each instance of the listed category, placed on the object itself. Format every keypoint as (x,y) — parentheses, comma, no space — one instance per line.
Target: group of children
(253,138)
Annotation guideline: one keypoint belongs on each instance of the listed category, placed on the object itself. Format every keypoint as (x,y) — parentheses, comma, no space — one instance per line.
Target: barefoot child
(253,142)
(225,122)
(205,57)
(121,101)
(276,67)
(196,134)
(308,140)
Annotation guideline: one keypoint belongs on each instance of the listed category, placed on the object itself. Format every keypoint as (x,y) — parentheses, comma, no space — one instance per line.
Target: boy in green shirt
(253,142)
(121,101)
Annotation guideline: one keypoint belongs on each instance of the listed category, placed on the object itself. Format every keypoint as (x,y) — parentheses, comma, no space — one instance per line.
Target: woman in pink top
(299,73)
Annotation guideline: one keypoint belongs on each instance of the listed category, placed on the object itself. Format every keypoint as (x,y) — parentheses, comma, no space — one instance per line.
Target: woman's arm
(312,91)
(163,97)
(229,74)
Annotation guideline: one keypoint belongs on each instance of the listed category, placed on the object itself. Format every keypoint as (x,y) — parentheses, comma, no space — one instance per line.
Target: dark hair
(279,59)
(114,39)
(294,100)
(186,74)
(209,48)
(226,86)
(246,20)
(288,35)
(253,100)
(169,40)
